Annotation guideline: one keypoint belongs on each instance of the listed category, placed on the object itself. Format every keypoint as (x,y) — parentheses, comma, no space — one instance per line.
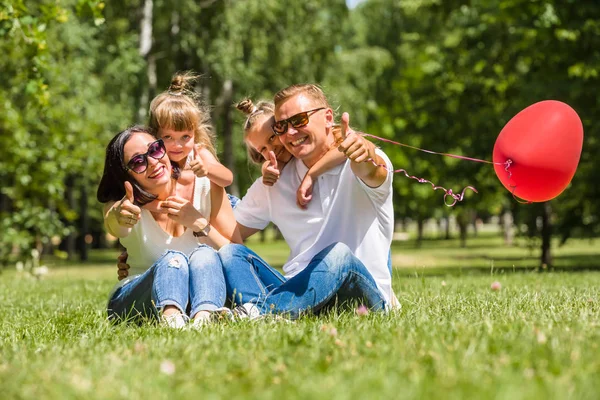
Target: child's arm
(271,169)
(331,159)
(205,164)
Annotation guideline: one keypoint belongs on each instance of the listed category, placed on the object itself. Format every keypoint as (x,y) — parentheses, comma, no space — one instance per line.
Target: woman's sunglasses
(299,120)
(139,163)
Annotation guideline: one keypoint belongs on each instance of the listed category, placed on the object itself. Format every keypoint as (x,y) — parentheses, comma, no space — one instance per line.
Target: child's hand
(270,170)
(304,193)
(198,166)
(122,266)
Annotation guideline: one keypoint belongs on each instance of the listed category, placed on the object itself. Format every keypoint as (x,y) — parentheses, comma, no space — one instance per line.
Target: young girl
(264,147)
(183,123)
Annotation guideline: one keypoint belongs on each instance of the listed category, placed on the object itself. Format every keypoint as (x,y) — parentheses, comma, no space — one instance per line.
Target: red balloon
(544,143)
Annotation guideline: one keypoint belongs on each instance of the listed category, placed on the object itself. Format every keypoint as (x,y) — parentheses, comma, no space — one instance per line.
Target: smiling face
(308,143)
(157,175)
(262,139)
(178,143)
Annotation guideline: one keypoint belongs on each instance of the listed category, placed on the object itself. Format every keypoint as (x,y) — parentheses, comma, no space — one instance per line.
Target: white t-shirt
(147,241)
(343,209)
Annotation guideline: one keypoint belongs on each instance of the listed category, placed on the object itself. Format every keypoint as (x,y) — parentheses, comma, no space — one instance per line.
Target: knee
(232,251)
(174,259)
(339,252)
(204,257)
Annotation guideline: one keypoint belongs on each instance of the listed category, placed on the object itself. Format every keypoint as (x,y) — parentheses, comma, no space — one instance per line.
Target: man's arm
(246,232)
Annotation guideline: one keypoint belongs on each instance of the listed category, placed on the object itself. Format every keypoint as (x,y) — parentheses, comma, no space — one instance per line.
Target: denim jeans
(191,284)
(333,277)
(233,200)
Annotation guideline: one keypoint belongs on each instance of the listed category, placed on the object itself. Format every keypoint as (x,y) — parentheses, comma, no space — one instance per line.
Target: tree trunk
(149,78)
(227,133)
(546,258)
(473,216)
(420,225)
(447,236)
(462,220)
(83,223)
(70,195)
(507,227)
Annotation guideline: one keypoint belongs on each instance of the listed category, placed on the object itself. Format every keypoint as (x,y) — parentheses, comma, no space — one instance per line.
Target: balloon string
(439,154)
(447,192)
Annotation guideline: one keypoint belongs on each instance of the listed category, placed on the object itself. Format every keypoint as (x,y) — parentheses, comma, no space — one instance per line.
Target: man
(339,245)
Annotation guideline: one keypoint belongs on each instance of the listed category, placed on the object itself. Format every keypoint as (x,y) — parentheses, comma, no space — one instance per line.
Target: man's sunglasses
(139,163)
(299,120)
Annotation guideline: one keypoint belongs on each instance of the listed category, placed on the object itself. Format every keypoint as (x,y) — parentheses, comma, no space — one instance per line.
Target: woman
(166,227)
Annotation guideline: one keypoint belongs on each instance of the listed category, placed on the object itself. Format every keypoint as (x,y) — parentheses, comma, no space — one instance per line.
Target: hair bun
(247,107)
(182,82)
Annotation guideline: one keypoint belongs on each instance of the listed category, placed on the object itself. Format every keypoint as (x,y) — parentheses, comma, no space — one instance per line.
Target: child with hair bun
(181,120)
(263,146)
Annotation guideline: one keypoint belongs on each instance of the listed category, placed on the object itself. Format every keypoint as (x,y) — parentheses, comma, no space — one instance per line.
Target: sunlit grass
(454,338)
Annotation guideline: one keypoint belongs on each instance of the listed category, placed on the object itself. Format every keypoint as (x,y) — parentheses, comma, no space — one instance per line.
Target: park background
(443,75)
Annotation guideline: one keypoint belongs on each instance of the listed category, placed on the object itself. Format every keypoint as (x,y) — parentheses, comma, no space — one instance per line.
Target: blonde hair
(311,91)
(253,112)
(180,109)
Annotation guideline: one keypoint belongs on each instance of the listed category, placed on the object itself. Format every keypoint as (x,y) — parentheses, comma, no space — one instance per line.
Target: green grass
(538,337)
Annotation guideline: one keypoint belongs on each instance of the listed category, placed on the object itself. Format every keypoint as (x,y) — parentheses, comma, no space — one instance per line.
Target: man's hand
(198,166)
(353,145)
(304,192)
(122,266)
(270,170)
(127,213)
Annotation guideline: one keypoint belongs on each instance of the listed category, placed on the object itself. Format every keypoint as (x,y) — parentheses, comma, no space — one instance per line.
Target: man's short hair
(311,91)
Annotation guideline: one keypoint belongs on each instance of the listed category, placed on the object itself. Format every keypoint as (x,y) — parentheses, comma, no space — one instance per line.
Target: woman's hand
(126,213)
(181,211)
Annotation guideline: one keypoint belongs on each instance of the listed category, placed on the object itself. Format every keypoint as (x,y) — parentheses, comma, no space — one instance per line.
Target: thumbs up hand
(352,144)
(128,214)
(270,170)
(197,165)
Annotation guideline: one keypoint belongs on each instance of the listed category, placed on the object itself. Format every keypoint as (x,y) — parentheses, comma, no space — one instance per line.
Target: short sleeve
(254,210)
(383,191)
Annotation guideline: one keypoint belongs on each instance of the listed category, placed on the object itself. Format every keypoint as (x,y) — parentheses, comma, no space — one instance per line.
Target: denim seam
(255,276)
(200,246)
(202,307)
(168,302)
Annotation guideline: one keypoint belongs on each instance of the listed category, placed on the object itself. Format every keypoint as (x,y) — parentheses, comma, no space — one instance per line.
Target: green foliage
(441,75)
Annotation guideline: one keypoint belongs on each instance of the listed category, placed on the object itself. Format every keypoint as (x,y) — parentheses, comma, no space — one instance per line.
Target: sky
(353,3)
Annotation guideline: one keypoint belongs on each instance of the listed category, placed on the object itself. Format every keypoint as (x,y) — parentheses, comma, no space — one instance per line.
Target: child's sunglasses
(139,163)
(299,120)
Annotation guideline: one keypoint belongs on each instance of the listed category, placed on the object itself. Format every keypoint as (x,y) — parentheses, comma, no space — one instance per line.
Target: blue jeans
(233,200)
(192,284)
(333,277)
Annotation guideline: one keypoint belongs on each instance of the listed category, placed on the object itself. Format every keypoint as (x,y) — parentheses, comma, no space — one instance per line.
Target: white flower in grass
(20,266)
(40,271)
(167,367)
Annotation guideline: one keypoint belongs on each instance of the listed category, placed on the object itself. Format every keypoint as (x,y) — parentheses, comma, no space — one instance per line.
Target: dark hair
(112,183)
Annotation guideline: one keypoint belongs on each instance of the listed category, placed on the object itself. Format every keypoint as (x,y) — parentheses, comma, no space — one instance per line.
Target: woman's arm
(222,218)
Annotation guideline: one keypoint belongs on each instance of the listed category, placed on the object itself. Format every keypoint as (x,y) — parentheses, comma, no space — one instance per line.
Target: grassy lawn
(537,337)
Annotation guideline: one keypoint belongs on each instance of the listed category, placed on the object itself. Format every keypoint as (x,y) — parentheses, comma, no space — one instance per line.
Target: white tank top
(147,241)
